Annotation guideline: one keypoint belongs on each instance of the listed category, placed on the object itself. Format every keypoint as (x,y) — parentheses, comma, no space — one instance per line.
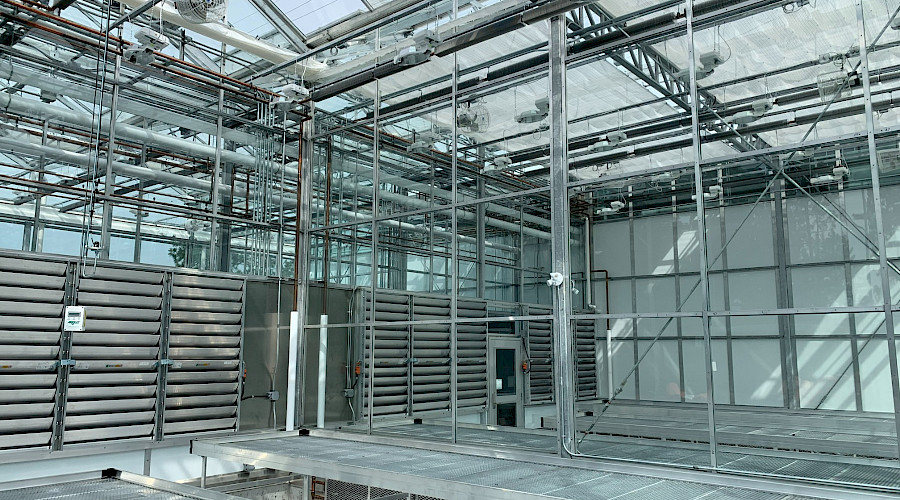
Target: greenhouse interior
(449,249)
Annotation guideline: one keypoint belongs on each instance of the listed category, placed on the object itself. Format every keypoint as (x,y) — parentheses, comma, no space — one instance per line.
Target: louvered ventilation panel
(471,348)
(31,305)
(391,395)
(540,374)
(585,360)
(205,347)
(112,387)
(431,352)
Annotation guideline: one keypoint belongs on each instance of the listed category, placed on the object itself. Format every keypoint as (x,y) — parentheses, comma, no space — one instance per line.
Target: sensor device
(74,319)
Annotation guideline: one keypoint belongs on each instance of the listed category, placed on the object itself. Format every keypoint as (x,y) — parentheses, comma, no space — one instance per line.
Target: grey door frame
(505,342)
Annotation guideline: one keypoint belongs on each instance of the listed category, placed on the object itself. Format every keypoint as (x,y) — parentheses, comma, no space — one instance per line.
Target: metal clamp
(164,362)
(65,362)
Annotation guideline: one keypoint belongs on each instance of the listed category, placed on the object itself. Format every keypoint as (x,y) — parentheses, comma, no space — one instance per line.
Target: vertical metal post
(110,178)
(784,300)
(480,213)
(203,472)
(520,296)
(163,360)
(376,152)
(701,230)
(559,213)
(139,218)
(148,453)
(323,364)
(214,237)
(848,289)
(453,287)
(64,362)
(879,221)
(301,259)
(34,239)
(139,210)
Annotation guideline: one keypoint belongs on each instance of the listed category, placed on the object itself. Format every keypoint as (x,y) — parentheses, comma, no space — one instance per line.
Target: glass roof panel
(244,16)
(310,15)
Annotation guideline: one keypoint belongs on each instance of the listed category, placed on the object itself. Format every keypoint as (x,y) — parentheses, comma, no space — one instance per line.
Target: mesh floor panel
(515,476)
(92,489)
(696,454)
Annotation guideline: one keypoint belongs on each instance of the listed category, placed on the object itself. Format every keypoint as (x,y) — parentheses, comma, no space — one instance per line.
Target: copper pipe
(122,42)
(606,279)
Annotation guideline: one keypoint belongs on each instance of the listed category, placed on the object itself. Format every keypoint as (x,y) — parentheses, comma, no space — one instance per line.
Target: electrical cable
(89,208)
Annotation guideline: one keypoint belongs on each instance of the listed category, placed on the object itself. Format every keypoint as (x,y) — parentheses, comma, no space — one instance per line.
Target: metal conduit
(85,160)
(32,107)
(58,86)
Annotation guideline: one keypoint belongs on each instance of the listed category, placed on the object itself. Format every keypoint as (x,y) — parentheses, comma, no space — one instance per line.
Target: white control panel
(74,319)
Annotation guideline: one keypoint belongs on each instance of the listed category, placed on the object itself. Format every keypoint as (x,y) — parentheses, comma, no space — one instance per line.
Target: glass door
(506,407)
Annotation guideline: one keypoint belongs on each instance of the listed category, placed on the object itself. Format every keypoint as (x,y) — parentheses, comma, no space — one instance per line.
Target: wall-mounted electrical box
(74,319)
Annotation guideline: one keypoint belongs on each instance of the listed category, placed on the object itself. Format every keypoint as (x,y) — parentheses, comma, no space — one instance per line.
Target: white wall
(642,255)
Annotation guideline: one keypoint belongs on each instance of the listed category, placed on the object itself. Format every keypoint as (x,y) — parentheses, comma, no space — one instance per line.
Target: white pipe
(425,204)
(609,364)
(21,143)
(293,344)
(323,365)
(308,68)
(33,107)
(445,31)
(43,81)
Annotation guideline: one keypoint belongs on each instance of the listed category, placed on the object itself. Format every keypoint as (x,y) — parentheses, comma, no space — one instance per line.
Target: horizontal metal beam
(281,23)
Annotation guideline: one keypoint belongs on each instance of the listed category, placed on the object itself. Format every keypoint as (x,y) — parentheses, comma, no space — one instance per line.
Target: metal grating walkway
(445,474)
(665,452)
(92,489)
(108,485)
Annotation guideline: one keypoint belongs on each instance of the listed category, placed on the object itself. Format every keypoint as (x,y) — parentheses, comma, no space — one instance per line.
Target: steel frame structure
(646,66)
(227,104)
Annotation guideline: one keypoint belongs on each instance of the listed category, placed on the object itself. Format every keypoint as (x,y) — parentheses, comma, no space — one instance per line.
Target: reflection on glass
(505,376)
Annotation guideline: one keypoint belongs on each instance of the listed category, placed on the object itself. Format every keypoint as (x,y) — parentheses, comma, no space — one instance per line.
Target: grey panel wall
(160,354)
(266,334)
(825,267)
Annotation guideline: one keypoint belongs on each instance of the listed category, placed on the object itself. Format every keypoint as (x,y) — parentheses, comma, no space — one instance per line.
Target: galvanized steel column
(563,343)
(109,180)
(879,221)
(301,259)
(454,248)
(701,231)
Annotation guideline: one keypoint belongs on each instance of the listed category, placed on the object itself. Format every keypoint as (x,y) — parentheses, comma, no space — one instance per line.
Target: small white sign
(73,320)
(499,383)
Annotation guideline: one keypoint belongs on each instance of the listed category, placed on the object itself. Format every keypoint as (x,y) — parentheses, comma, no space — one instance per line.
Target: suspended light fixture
(759,108)
(423,142)
(149,41)
(541,111)
(614,206)
(837,174)
(424,43)
(612,140)
(712,194)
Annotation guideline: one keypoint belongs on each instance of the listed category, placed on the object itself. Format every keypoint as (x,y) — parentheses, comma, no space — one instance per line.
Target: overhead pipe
(219,32)
(62,27)
(32,107)
(22,144)
(523,13)
(49,83)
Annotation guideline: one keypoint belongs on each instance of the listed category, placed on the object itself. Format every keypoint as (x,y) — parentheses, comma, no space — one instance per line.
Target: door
(506,382)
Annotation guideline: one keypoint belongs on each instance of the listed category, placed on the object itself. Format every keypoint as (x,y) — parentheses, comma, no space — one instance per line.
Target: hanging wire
(89,207)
